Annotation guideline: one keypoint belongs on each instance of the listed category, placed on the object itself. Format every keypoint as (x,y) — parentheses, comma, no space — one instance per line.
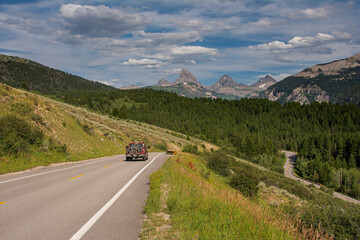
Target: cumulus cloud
(187,54)
(301,42)
(149,63)
(315,12)
(321,12)
(99,21)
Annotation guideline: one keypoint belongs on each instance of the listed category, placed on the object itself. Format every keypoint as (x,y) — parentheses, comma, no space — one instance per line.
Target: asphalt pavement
(94,199)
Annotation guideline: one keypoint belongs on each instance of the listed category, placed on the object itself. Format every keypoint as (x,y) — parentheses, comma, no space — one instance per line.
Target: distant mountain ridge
(225,82)
(163,82)
(226,87)
(23,73)
(337,81)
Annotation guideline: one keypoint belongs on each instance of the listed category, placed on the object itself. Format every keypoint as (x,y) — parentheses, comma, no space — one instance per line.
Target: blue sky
(133,42)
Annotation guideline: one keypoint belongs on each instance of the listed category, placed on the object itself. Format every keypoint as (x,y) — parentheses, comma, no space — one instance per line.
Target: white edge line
(81,232)
(62,169)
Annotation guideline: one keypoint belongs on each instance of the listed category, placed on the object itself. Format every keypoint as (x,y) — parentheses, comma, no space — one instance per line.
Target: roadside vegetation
(216,196)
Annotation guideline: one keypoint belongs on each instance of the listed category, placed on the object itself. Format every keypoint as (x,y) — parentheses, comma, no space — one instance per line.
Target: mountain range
(187,85)
(337,81)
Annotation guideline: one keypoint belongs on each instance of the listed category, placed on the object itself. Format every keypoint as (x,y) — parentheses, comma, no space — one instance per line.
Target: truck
(137,151)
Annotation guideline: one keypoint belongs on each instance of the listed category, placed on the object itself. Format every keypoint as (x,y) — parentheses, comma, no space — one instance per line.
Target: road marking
(34,175)
(81,232)
(77,176)
(107,166)
(2,202)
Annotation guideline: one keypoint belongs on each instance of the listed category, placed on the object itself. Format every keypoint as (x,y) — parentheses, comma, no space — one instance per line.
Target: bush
(244,184)
(89,130)
(220,163)
(16,135)
(191,149)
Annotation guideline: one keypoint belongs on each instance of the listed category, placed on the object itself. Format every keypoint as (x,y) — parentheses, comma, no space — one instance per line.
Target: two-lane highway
(97,199)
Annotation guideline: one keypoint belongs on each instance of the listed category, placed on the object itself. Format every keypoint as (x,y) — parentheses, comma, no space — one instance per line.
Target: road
(288,170)
(94,199)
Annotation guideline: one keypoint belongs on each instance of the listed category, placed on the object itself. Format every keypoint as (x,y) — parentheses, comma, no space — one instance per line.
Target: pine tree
(352,162)
(123,112)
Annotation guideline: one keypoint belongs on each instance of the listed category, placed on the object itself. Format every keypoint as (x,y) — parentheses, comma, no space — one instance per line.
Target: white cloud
(170,38)
(149,63)
(193,50)
(301,42)
(99,21)
(315,12)
(206,26)
(262,22)
(285,58)
(187,54)
(311,13)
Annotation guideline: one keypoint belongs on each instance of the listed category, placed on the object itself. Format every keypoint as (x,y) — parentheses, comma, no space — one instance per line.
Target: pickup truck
(137,151)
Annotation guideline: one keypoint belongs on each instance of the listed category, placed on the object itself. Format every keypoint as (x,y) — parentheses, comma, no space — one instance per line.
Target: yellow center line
(2,202)
(77,176)
(107,166)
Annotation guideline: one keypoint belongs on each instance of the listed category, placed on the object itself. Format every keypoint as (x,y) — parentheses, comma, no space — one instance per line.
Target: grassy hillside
(23,73)
(212,196)
(70,133)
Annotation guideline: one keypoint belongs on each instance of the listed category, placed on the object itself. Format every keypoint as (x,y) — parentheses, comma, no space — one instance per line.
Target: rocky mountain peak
(162,82)
(265,82)
(225,81)
(186,76)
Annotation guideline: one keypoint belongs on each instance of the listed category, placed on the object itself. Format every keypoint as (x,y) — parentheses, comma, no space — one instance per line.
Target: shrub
(220,163)
(16,135)
(89,130)
(244,184)
(191,149)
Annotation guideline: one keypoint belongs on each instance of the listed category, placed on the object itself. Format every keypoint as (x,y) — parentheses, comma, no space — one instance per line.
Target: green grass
(10,163)
(203,206)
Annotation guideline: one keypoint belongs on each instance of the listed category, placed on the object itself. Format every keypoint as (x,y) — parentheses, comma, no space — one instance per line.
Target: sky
(134,42)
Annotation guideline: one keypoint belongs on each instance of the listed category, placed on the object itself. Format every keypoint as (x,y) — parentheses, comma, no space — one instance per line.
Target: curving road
(96,199)
(288,170)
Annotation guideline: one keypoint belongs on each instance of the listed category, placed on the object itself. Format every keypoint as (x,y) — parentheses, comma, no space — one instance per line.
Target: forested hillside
(254,129)
(23,73)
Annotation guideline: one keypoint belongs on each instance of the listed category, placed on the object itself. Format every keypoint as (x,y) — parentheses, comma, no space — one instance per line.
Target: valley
(78,124)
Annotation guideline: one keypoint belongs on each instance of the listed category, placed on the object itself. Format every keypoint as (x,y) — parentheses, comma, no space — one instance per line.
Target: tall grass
(207,208)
